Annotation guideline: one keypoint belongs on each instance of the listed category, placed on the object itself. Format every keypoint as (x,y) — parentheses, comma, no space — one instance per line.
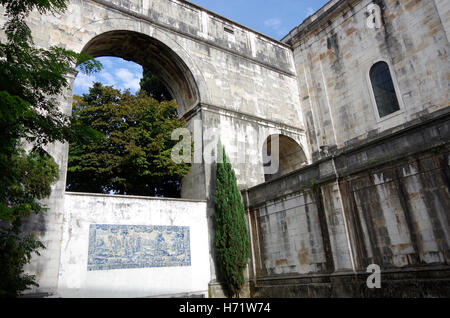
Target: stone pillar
(336,219)
(48,225)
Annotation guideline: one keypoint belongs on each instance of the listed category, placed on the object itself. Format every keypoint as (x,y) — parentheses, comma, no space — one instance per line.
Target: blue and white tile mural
(137,246)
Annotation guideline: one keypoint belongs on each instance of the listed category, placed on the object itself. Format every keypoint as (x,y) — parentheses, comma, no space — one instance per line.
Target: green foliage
(232,241)
(134,155)
(16,8)
(25,178)
(29,77)
(154,87)
(15,252)
(28,179)
(435,150)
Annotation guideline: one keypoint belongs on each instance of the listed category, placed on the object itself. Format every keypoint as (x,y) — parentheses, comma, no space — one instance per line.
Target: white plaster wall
(82,210)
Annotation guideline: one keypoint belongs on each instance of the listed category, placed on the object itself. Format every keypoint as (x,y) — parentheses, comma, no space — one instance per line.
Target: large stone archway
(153,55)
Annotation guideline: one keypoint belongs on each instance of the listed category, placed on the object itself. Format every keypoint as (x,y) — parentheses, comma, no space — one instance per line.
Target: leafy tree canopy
(17,8)
(154,87)
(134,156)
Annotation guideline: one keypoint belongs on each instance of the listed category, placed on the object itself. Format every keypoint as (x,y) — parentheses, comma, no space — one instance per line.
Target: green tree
(29,179)
(134,157)
(29,77)
(232,241)
(154,87)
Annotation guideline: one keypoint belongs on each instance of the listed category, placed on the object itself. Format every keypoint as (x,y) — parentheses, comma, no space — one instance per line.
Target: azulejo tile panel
(137,246)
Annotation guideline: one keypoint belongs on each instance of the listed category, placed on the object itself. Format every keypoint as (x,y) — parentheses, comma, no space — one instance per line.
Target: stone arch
(281,155)
(156,50)
(154,55)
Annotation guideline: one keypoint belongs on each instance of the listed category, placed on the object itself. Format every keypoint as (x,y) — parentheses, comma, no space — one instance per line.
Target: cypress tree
(232,240)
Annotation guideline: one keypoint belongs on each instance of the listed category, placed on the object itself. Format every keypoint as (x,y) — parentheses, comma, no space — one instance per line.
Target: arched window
(383,89)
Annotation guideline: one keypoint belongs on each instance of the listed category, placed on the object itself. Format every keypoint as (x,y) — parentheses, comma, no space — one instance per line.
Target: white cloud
(134,84)
(108,78)
(124,75)
(83,82)
(106,62)
(116,72)
(276,25)
(128,79)
(273,23)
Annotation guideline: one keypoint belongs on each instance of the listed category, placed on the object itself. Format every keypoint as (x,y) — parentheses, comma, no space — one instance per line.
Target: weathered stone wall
(443,8)
(290,236)
(243,137)
(334,50)
(417,283)
(127,258)
(384,201)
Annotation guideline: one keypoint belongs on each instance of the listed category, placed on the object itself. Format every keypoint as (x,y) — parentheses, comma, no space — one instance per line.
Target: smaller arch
(383,89)
(281,155)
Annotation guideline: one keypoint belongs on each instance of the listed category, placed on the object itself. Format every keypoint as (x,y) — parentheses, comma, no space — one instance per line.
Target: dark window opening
(383,89)
(228,30)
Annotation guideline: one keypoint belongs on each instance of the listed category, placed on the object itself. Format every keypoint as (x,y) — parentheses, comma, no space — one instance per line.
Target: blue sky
(274,18)
(116,72)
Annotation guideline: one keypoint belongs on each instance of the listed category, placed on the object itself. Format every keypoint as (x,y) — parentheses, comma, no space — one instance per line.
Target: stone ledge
(131,197)
(216,290)
(442,270)
(396,147)
(403,283)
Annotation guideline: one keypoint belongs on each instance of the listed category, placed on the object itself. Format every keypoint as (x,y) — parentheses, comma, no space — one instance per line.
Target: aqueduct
(222,74)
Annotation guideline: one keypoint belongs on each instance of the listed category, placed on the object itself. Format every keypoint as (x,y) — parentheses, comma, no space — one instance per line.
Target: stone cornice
(242,116)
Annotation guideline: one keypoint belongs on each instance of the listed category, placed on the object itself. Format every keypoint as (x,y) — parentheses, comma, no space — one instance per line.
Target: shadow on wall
(281,155)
